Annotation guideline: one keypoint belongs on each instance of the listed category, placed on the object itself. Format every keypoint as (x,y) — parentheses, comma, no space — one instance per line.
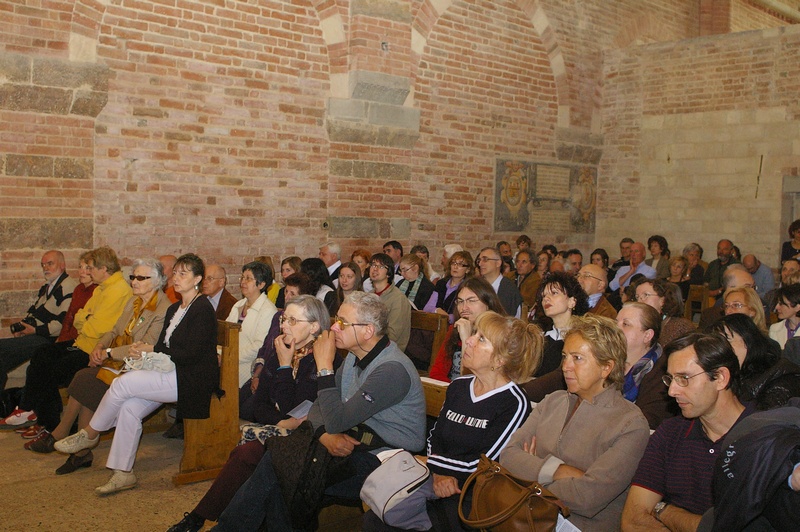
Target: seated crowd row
(596,374)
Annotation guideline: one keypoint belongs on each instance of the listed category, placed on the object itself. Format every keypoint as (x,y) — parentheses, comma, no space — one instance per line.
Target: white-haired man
(331,253)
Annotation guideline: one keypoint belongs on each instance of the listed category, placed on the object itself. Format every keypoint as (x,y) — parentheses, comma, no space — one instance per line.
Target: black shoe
(75,462)
(189,523)
(175,431)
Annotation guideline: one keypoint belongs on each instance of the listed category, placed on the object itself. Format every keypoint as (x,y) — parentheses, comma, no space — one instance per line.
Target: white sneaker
(18,419)
(77,442)
(120,481)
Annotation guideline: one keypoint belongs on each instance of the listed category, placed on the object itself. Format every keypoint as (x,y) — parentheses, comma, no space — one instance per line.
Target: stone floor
(35,498)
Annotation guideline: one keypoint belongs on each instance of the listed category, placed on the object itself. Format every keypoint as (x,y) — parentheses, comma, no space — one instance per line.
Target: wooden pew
(208,442)
(436,324)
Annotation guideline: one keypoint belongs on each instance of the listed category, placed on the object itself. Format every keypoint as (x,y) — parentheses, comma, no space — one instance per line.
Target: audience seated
(624,256)
(214,288)
(762,275)
(766,378)
(660,295)
(694,255)
(599,257)
(399,326)
(459,268)
(645,365)
(636,266)
(318,273)
(787,307)
(716,268)
(501,352)
(744,300)
(394,250)
(80,295)
(659,256)
(254,312)
(349,280)
(54,365)
(42,323)
(584,444)
(475,296)
(138,327)
(415,286)
(393,418)
(735,276)
(574,260)
(168,263)
(672,484)
(273,289)
(295,285)
(289,266)
(526,279)
(679,275)
(543,264)
(593,280)
(189,337)
(422,252)
(791,248)
(489,263)
(330,253)
(289,373)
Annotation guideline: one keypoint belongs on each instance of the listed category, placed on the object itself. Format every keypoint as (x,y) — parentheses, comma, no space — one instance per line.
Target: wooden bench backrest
(696,302)
(436,323)
(208,442)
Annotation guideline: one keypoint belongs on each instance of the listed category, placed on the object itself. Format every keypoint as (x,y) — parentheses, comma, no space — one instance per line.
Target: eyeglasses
(680,380)
(735,306)
(247,279)
(460,264)
(460,302)
(342,324)
(139,278)
(291,320)
(587,276)
(642,297)
(378,265)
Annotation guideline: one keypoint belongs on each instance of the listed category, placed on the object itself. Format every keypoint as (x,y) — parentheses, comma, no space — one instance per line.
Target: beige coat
(146,330)
(605,439)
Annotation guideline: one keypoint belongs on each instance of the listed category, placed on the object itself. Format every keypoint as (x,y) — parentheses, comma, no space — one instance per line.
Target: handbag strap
(533,489)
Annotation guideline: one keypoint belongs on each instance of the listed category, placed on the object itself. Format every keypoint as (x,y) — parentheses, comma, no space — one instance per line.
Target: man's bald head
(736,276)
(592,279)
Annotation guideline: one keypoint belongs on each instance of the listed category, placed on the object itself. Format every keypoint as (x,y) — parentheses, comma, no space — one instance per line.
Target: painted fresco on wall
(543,197)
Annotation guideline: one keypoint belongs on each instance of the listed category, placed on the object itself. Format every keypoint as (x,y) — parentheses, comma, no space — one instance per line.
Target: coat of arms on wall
(543,197)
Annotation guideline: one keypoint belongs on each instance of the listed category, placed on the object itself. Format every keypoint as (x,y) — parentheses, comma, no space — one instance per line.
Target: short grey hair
(371,310)
(314,311)
(155,266)
(729,274)
(449,249)
(692,247)
(333,247)
(492,249)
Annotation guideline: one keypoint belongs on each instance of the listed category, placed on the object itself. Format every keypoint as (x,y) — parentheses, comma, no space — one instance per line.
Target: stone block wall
(235,129)
(698,137)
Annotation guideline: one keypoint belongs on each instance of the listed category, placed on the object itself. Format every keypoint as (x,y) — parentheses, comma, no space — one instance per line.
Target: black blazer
(193,349)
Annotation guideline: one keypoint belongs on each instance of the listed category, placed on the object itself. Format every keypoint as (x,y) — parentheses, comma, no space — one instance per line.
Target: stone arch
(431,10)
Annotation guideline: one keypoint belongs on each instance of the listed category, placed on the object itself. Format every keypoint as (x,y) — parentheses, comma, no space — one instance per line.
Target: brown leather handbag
(503,503)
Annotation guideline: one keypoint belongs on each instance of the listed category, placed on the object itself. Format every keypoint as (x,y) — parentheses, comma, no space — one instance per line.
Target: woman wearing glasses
(475,297)
(189,337)
(662,296)
(745,300)
(417,288)
(140,323)
(254,312)
(289,378)
(584,443)
(459,267)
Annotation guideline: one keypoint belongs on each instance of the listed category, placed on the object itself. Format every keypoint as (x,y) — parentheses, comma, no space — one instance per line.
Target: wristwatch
(325,372)
(657,509)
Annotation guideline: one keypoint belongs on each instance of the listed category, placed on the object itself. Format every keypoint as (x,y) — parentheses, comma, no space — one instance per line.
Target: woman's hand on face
(285,352)
(325,350)
(445,486)
(464,329)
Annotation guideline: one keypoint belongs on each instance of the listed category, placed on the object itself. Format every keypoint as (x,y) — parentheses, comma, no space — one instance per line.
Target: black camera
(19,327)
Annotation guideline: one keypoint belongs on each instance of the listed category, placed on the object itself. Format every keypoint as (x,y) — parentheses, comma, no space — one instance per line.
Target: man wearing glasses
(42,325)
(214,288)
(490,265)
(380,273)
(672,485)
(592,279)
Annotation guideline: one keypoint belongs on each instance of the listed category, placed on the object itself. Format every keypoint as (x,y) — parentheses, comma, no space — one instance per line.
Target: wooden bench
(696,302)
(208,442)
(434,324)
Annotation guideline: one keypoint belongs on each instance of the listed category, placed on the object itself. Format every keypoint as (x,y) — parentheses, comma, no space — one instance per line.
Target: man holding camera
(42,324)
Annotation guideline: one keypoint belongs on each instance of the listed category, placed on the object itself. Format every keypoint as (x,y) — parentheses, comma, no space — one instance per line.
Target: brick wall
(698,135)
(236,129)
